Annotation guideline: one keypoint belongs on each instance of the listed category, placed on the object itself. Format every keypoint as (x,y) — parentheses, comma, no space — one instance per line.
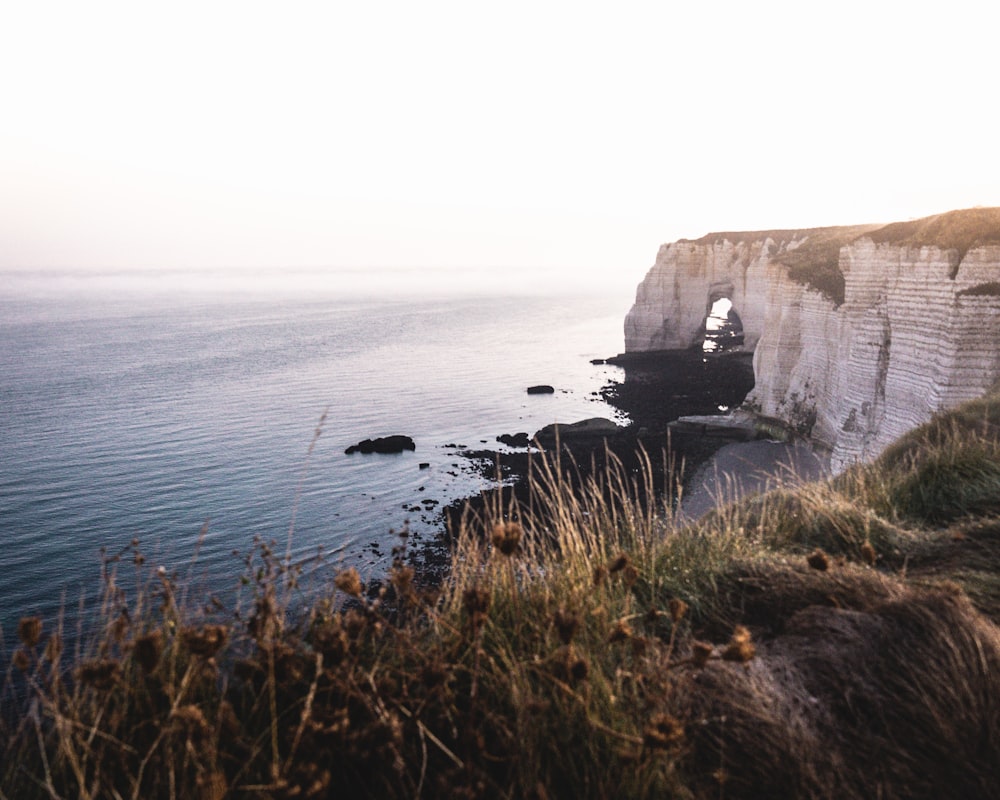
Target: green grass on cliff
(831,640)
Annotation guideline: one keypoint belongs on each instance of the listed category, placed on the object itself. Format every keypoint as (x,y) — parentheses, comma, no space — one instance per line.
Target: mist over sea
(163,408)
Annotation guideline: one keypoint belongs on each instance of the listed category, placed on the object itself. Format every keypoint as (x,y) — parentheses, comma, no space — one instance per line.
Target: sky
(513,138)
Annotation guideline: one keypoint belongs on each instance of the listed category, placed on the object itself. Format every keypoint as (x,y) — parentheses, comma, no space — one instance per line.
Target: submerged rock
(541,389)
(386,444)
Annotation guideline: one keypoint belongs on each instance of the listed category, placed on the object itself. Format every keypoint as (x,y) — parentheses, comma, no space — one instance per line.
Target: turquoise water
(134,408)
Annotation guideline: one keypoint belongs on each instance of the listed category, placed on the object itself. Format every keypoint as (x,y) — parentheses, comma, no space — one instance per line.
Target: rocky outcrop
(384,445)
(859,333)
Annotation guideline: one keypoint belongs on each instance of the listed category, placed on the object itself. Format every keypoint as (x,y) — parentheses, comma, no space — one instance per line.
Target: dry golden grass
(833,640)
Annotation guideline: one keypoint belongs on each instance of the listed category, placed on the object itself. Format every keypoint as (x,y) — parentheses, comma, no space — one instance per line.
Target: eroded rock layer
(859,333)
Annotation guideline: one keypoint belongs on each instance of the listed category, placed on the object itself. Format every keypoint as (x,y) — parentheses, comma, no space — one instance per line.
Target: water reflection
(723,327)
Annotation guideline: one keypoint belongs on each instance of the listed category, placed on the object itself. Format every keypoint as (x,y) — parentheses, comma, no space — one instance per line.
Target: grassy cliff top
(815,262)
(961,230)
(954,230)
(840,233)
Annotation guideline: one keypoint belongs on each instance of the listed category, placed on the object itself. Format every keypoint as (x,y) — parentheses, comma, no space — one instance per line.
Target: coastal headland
(844,338)
(834,638)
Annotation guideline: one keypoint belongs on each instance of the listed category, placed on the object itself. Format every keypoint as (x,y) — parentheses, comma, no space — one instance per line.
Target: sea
(196,414)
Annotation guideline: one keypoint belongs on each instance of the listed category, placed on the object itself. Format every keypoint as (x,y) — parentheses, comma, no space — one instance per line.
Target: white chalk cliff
(859,334)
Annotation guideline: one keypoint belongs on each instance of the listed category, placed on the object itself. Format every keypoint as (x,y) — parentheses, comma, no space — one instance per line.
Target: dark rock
(386,444)
(515,440)
(594,427)
(424,464)
(597,361)
(541,389)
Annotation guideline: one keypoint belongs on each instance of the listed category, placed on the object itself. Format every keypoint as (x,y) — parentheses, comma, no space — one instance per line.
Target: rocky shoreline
(657,389)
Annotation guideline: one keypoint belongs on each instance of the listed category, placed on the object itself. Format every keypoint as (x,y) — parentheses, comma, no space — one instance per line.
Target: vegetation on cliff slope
(837,639)
(816,262)
(954,230)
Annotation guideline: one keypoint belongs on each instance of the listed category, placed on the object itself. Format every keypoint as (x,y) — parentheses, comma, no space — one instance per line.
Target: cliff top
(815,262)
(840,233)
(954,230)
(960,230)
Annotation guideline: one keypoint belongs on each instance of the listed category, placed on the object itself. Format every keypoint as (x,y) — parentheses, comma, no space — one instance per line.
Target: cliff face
(859,333)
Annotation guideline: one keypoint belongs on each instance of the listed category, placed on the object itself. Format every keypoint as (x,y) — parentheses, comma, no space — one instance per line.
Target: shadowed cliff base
(657,389)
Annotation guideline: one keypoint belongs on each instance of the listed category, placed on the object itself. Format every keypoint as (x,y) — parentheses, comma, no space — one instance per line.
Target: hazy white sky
(569,135)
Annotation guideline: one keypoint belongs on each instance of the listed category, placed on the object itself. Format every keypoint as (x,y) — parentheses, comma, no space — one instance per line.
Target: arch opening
(723,327)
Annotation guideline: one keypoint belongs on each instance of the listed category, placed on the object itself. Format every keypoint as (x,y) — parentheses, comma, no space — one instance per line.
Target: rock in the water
(541,389)
(385,444)
(425,464)
(595,426)
(514,440)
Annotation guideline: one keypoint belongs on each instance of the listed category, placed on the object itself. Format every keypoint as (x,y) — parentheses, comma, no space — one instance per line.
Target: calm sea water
(131,408)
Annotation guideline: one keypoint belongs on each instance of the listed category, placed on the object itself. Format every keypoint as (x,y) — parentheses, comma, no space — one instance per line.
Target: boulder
(386,444)
(595,427)
(541,389)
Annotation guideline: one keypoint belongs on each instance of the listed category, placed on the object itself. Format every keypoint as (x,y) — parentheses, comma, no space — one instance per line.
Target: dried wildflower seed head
(506,537)
(21,659)
(868,554)
(817,559)
(701,652)
(99,673)
(349,582)
(621,632)
(640,646)
(678,609)
(630,575)
(205,641)
(741,633)
(148,649)
(567,623)
(662,732)
(618,564)
(29,631)
(600,574)
(740,648)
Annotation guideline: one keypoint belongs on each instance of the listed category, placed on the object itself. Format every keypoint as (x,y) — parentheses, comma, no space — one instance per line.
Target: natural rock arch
(722,329)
